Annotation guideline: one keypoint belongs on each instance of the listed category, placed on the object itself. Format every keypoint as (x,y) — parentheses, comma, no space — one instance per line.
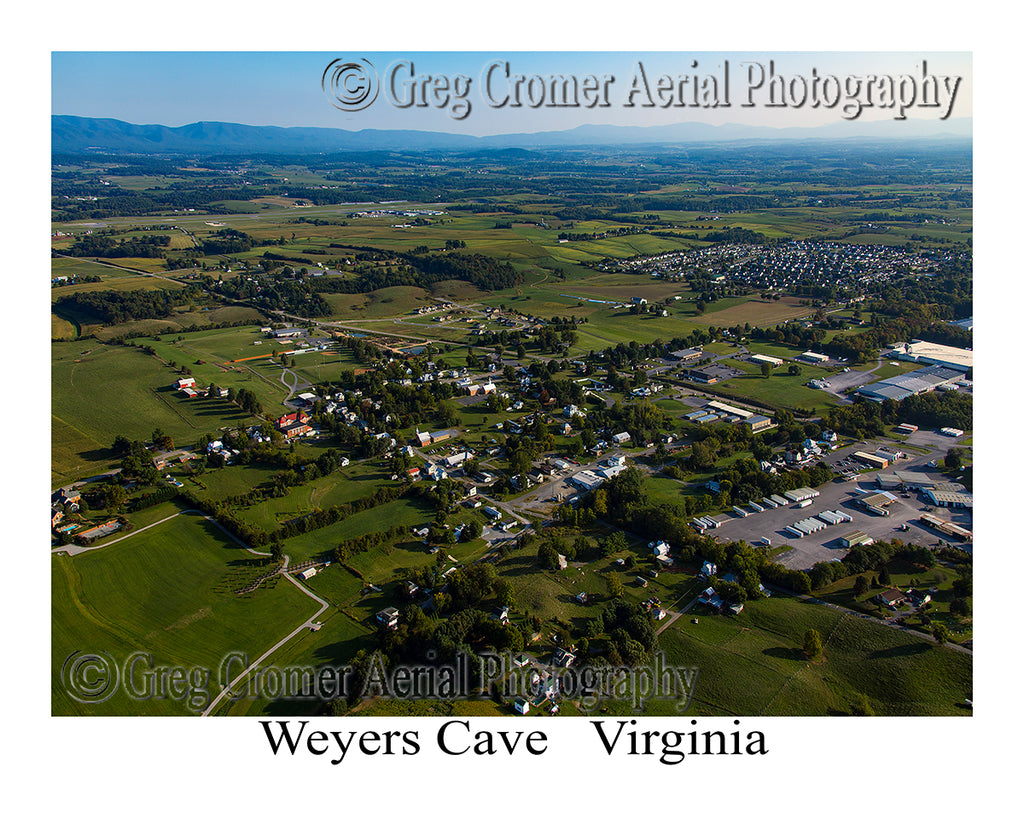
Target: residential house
(388,617)
(893,598)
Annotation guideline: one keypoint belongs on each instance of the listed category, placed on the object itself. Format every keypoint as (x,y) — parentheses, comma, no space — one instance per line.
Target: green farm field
(102,391)
(168,591)
(403,512)
(753,664)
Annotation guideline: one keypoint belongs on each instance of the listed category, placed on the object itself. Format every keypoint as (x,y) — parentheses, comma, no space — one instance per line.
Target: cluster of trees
(78,280)
(485,272)
(228,240)
(868,419)
(106,246)
(395,407)
(744,481)
(275,292)
(320,518)
(246,400)
(117,306)
(584,237)
(633,639)
(938,409)
(875,555)
(463,625)
(379,537)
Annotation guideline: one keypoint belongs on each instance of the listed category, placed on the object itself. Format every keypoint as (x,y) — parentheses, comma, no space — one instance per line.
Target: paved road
(297,382)
(307,624)
(120,267)
(74,549)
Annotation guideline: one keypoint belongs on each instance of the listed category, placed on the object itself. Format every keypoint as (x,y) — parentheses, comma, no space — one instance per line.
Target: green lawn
(333,645)
(778,390)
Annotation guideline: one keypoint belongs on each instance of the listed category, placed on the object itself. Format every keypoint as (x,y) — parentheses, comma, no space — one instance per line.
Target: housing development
(588,408)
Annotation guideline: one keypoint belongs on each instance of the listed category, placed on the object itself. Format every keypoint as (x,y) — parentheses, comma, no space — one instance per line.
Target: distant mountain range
(77,135)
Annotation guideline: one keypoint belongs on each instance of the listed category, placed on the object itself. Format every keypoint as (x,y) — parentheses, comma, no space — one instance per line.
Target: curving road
(72,550)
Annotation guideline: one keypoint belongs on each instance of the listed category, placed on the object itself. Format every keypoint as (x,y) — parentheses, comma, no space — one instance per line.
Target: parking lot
(841,494)
(825,545)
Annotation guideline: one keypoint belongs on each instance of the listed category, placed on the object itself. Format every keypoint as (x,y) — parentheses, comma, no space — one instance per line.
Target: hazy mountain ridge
(71,134)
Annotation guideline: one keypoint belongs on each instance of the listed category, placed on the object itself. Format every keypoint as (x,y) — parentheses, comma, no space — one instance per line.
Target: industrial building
(757,423)
(586,480)
(757,358)
(924,352)
(711,374)
(924,380)
(686,356)
(875,502)
(917,481)
(947,527)
(954,500)
(812,358)
(871,460)
(857,538)
(728,409)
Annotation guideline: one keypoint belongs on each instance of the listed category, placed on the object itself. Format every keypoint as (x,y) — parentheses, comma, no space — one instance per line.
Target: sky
(285,88)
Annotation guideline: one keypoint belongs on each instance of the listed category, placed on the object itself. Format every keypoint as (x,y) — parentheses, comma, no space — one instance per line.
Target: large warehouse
(924,380)
(924,352)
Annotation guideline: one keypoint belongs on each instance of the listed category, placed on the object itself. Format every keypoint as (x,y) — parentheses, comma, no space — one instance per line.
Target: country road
(72,550)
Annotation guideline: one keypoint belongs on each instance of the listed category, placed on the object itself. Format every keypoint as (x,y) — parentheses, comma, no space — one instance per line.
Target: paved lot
(825,545)
(841,494)
(838,382)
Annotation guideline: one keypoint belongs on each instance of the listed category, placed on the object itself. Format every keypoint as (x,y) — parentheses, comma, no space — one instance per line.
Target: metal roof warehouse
(900,386)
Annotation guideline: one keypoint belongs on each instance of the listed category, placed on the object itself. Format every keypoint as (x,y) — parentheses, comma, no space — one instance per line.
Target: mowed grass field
(100,391)
(780,389)
(402,512)
(168,591)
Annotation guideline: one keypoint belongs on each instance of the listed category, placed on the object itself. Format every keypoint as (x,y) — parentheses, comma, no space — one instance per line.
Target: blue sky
(283,88)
